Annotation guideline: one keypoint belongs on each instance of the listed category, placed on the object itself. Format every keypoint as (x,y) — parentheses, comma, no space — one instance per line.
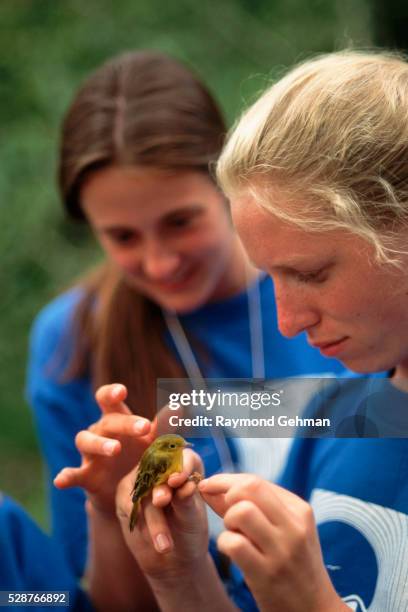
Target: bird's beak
(188,444)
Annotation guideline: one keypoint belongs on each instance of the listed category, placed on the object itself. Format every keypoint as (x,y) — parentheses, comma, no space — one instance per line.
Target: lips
(176,282)
(331,348)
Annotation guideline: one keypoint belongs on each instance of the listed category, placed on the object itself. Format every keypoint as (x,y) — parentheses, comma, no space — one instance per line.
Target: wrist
(195,587)
(333,602)
(100,511)
(184,571)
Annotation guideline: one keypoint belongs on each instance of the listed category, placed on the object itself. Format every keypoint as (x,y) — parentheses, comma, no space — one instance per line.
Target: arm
(60,410)
(199,590)
(115,581)
(108,449)
(170,543)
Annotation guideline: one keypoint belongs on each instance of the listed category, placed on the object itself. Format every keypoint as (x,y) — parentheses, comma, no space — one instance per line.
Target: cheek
(207,243)
(342,307)
(355,307)
(126,260)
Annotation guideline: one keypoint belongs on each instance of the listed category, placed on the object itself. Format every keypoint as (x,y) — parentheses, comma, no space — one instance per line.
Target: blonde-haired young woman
(317,173)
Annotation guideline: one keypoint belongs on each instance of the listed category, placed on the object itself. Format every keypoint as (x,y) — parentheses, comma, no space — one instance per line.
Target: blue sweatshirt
(32,561)
(358,489)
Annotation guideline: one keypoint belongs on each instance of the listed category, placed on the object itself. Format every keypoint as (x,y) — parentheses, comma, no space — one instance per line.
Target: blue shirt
(32,561)
(62,409)
(358,489)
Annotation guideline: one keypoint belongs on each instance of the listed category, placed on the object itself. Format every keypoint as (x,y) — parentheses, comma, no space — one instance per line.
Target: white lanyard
(192,368)
(256,328)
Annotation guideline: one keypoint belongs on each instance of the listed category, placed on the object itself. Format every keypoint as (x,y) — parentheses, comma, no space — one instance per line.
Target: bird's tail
(134,515)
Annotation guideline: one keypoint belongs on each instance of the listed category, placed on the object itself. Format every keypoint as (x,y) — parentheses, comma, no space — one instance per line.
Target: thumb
(111,398)
(216,501)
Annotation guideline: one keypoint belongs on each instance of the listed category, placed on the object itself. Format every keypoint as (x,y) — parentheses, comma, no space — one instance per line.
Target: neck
(400,377)
(237,275)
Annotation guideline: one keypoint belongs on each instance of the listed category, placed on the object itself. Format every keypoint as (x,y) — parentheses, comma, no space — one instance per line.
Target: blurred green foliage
(46,48)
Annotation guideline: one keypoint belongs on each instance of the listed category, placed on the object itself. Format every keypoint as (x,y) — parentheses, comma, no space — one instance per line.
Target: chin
(369,366)
(182,305)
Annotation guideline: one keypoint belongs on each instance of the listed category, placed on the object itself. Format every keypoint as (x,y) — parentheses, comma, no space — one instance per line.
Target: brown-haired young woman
(176,295)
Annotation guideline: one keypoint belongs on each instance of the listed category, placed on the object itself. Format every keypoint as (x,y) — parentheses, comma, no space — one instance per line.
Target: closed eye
(122,236)
(316,275)
(183,218)
(312,277)
(179,222)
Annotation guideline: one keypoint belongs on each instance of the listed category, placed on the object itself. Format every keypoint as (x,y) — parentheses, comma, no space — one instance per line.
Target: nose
(158,262)
(295,312)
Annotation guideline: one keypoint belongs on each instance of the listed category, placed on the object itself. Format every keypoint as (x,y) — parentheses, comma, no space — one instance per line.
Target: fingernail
(109,447)
(162,542)
(116,391)
(140,425)
(61,478)
(174,479)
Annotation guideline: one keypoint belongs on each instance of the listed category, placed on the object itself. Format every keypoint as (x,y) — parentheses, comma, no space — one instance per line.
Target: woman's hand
(271,535)
(109,448)
(171,532)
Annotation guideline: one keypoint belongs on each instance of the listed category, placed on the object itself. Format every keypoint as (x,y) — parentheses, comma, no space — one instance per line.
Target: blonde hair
(333,134)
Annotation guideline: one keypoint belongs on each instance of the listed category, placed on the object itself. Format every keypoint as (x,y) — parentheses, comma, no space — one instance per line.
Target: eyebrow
(111,229)
(192,210)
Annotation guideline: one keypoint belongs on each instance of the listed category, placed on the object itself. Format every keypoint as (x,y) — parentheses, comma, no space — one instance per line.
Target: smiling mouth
(176,281)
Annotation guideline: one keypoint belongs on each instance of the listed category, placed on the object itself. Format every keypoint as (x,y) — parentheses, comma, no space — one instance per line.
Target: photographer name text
(234,423)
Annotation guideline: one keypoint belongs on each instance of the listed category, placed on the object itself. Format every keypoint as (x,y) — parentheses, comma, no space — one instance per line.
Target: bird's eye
(172,446)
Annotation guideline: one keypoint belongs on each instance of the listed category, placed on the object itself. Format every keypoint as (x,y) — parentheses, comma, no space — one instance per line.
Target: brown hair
(147,109)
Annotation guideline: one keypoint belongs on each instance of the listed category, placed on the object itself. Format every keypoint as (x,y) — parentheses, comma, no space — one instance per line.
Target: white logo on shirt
(387,532)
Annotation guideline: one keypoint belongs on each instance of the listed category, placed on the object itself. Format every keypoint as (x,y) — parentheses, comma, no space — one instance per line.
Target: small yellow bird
(161,459)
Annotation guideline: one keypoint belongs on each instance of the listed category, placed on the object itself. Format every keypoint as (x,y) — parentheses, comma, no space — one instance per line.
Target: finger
(111,398)
(188,489)
(215,501)
(191,463)
(116,424)
(154,428)
(188,507)
(279,505)
(238,548)
(157,527)
(220,483)
(70,477)
(161,495)
(123,499)
(92,444)
(213,490)
(275,502)
(246,518)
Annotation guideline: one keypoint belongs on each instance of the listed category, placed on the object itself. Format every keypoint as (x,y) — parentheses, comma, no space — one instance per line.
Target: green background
(46,48)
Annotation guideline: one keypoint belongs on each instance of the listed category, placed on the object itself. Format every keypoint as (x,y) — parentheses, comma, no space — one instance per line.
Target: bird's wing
(148,475)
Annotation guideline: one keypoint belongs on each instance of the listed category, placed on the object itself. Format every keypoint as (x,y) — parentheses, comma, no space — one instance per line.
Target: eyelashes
(320,276)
